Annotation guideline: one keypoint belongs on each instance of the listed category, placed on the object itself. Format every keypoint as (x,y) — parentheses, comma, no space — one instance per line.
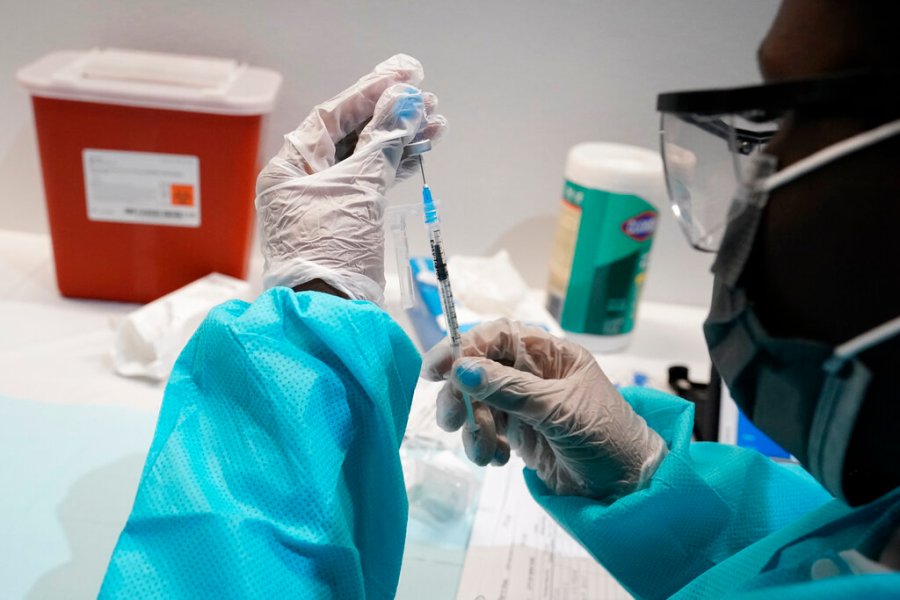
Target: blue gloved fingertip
(468,373)
(409,106)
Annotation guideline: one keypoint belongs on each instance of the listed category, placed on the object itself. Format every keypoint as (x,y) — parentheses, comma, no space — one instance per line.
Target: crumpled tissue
(491,288)
(149,340)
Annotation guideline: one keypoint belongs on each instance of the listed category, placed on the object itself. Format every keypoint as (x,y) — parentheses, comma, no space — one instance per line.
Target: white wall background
(519,81)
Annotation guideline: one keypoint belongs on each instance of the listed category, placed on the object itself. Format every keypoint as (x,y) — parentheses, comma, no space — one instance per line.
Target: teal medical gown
(719,521)
(274,472)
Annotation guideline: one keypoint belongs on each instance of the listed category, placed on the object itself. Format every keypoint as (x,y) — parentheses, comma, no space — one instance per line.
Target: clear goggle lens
(705,157)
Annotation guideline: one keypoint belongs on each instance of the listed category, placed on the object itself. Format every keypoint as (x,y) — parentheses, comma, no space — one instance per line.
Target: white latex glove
(321,200)
(548,400)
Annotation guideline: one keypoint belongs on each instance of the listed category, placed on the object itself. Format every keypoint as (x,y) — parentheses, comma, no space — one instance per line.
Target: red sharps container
(149,163)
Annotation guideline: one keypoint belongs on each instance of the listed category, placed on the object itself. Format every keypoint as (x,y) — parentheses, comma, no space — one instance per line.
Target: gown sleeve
(705,502)
(274,470)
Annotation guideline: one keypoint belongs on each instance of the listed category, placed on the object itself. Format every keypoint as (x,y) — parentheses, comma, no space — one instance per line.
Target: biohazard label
(142,187)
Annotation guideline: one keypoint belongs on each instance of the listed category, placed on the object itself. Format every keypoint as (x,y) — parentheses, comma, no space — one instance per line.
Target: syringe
(433,226)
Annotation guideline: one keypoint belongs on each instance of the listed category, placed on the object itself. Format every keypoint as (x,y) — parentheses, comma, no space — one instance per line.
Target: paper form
(518,552)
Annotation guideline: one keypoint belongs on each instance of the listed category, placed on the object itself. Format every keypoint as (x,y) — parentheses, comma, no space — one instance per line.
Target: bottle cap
(417,148)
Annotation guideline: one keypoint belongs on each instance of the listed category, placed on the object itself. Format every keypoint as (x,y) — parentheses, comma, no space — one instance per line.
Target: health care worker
(274,468)
(803,327)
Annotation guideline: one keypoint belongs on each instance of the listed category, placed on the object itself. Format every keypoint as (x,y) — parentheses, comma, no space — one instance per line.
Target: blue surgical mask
(805,394)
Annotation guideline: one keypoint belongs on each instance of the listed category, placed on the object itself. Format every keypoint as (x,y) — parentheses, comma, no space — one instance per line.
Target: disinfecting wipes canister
(603,238)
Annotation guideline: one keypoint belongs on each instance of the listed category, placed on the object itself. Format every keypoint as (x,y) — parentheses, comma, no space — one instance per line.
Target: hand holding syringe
(433,226)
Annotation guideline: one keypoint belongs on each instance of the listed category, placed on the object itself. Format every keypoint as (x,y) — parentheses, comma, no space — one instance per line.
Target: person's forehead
(808,38)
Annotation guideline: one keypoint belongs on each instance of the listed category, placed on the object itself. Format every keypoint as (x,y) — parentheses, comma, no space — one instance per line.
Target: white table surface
(85,430)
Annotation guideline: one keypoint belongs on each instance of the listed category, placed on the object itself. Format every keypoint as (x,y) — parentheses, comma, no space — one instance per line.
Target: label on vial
(142,187)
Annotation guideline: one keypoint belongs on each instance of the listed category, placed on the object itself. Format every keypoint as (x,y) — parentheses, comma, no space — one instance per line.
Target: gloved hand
(321,200)
(548,400)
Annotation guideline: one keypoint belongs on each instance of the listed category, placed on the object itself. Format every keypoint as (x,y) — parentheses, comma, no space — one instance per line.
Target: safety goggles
(708,139)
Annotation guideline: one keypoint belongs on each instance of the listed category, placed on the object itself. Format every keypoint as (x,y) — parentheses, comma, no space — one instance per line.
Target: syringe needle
(422,168)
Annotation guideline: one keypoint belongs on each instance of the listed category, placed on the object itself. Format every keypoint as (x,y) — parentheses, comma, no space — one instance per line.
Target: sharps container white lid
(153,80)
(617,168)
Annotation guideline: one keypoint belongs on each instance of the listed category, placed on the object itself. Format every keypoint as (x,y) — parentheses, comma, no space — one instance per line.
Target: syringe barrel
(433,226)
(449,311)
(440,271)
(437,252)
